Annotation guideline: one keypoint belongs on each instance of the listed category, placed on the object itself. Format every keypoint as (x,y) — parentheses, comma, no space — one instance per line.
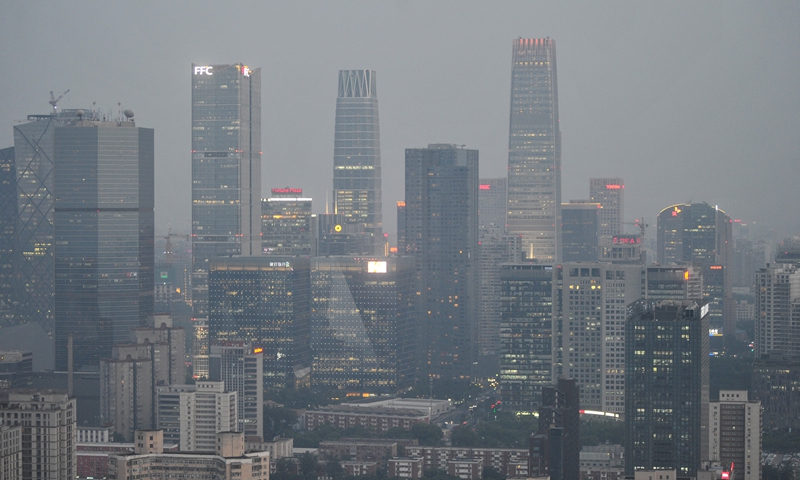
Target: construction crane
(639,222)
(54,101)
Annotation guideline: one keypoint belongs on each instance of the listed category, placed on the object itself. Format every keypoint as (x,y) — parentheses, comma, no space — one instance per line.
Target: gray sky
(685,100)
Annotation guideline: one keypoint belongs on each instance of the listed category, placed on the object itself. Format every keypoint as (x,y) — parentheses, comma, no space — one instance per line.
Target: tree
(427,434)
(333,468)
(464,436)
(278,422)
(308,467)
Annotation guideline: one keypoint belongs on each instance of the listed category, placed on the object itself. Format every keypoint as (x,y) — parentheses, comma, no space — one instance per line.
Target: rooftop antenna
(54,101)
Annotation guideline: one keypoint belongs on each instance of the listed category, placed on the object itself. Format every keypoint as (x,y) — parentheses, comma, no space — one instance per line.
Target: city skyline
(619,118)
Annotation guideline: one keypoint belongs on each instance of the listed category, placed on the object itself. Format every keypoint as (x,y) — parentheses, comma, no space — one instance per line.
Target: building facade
(226,169)
(9,302)
(357,156)
(49,421)
(363,327)
(579,227)
(11,452)
(193,415)
(287,223)
(777,309)
(494,250)
(534,150)
(442,235)
(492,206)
(554,449)
(776,384)
(104,232)
(264,301)
(609,193)
(734,434)
(667,379)
(526,334)
(241,368)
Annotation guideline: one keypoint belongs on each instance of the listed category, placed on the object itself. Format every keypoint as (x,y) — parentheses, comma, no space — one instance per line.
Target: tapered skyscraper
(534,150)
(357,155)
(226,169)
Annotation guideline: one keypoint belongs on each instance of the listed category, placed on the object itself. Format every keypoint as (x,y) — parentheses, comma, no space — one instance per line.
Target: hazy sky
(687,101)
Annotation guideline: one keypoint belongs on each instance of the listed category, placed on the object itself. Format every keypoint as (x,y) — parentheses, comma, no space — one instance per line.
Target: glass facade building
(608,192)
(104,252)
(534,150)
(441,232)
(263,300)
(226,169)
(363,328)
(526,334)
(667,378)
(357,155)
(579,222)
(8,238)
(287,223)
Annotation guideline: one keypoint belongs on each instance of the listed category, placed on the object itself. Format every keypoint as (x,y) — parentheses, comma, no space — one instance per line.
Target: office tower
(734,434)
(493,250)
(667,380)
(357,156)
(609,193)
(103,219)
(554,449)
(673,283)
(492,206)
(264,300)
(776,384)
(534,150)
(226,169)
(777,309)
(192,415)
(442,235)
(49,422)
(701,234)
(154,356)
(362,317)
(241,368)
(579,226)
(16,369)
(526,334)
(589,330)
(286,223)
(8,238)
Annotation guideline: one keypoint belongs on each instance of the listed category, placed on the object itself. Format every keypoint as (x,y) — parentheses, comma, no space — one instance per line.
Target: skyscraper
(103,219)
(241,368)
(492,206)
(442,234)
(579,222)
(778,309)
(357,155)
(667,379)
(534,150)
(8,238)
(608,192)
(226,169)
(287,224)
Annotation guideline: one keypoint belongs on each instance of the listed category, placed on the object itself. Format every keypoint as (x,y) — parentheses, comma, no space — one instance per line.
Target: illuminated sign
(484,186)
(337,228)
(401,203)
(164,275)
(392,249)
(626,240)
(376,267)
(686,275)
(245,70)
(203,70)
(614,186)
(279,264)
(715,267)
(676,211)
(258,350)
(288,190)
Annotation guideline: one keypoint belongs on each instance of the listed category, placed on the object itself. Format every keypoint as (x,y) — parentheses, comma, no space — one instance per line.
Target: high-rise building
(442,235)
(193,415)
(11,452)
(357,155)
(526,334)
(264,300)
(287,223)
(226,169)
(667,382)
(534,150)
(401,226)
(103,219)
(609,193)
(8,226)
(49,429)
(493,250)
(363,331)
(778,309)
(700,234)
(241,368)
(554,449)
(579,224)
(776,384)
(589,331)
(734,434)
(673,283)
(16,369)
(492,206)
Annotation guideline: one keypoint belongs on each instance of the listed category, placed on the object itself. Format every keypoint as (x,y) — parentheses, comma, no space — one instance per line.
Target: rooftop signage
(203,69)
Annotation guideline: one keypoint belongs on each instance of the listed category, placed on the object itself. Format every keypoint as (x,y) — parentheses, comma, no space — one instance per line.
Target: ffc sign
(203,70)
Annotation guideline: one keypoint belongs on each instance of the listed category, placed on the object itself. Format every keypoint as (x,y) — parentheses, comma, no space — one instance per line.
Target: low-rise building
(361,450)
(380,419)
(277,448)
(465,468)
(405,467)
(355,468)
(149,462)
(507,461)
(602,462)
(95,434)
